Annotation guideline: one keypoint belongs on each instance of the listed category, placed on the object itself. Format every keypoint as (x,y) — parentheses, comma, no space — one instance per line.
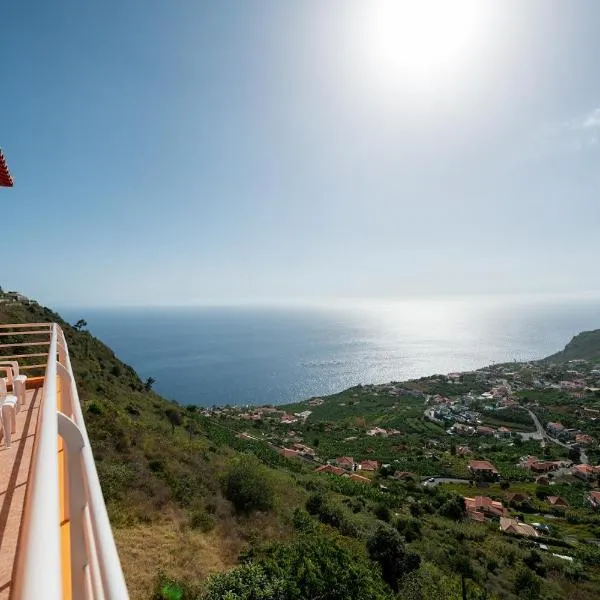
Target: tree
(174,417)
(386,547)
(454,508)
(80,325)
(575,455)
(149,383)
(527,584)
(248,486)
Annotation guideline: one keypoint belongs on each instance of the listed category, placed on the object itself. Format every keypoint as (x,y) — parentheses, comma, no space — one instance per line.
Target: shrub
(527,584)
(247,485)
(200,519)
(382,512)
(246,582)
(386,548)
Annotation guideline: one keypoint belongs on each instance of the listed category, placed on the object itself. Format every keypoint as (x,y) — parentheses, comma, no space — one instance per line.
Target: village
(488,433)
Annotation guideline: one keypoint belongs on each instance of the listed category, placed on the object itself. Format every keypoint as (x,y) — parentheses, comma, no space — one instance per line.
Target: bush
(527,584)
(386,548)
(247,485)
(247,582)
(409,529)
(382,512)
(200,519)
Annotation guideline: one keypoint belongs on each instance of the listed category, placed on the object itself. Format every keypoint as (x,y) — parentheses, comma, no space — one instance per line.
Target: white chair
(19,382)
(8,403)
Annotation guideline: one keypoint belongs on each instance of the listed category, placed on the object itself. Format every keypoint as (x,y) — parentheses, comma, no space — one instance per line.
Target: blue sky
(192,152)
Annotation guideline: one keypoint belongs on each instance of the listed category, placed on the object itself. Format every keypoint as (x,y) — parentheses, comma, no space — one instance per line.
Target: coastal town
(518,442)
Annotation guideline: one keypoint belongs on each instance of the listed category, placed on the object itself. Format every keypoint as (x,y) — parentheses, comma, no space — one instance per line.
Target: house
(359,478)
(540,466)
(594,499)
(584,439)
(485,505)
(346,462)
(288,452)
(542,480)
(288,419)
(586,472)
(483,469)
(316,402)
(555,428)
(488,431)
(475,515)
(517,528)
(369,465)
(304,414)
(504,432)
(404,475)
(557,501)
(377,431)
(515,497)
(330,469)
(302,449)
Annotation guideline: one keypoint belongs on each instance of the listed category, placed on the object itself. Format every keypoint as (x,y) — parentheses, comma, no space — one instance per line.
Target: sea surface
(256,355)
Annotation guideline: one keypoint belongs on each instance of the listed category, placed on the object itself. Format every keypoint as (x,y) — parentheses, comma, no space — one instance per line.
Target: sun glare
(420,41)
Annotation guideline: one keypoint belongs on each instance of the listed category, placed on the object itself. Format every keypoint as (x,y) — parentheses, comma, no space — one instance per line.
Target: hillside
(193,493)
(160,474)
(584,346)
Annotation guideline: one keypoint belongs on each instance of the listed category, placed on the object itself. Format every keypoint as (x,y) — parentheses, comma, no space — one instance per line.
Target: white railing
(64,491)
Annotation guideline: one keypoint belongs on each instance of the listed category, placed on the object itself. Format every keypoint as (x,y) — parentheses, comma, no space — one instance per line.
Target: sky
(187,152)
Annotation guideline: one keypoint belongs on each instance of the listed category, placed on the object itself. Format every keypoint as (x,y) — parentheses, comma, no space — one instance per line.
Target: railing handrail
(109,565)
(91,556)
(39,566)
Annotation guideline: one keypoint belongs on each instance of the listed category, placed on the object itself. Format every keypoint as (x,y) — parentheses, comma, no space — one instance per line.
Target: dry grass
(184,554)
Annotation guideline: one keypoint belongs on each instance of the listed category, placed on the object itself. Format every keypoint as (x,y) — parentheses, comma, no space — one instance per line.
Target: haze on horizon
(181,153)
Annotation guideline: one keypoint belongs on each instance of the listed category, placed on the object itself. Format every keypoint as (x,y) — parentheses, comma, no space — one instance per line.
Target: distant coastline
(218,356)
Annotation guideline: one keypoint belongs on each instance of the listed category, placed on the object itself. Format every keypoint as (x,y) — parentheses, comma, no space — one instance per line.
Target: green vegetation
(584,346)
(202,511)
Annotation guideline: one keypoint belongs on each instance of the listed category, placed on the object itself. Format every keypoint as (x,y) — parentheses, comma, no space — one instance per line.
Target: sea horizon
(276,354)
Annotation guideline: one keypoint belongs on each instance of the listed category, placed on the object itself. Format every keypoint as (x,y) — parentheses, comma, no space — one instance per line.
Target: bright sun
(418,41)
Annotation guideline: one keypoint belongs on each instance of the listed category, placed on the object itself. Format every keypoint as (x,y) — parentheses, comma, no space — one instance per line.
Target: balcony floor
(14,472)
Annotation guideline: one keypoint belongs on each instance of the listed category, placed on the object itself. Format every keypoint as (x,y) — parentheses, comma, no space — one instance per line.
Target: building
(584,439)
(346,462)
(515,497)
(487,431)
(557,501)
(377,431)
(504,432)
(517,528)
(586,472)
(330,469)
(485,506)
(288,452)
(483,469)
(5,178)
(369,465)
(359,478)
(594,499)
(555,428)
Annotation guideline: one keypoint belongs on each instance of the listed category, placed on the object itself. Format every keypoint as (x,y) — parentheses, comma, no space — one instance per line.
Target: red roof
(369,465)
(482,465)
(5,178)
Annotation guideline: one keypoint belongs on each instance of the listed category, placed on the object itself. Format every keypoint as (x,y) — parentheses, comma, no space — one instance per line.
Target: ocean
(256,355)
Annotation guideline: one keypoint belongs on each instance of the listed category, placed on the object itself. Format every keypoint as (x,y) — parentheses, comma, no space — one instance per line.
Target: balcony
(55,536)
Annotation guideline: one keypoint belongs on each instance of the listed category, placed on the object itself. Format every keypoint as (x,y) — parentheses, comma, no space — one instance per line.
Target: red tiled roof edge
(5,179)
